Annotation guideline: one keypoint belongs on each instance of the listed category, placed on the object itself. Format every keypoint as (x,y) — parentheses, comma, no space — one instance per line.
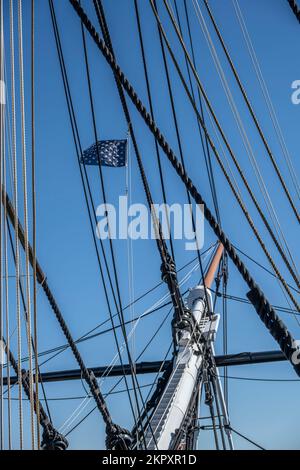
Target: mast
(181,394)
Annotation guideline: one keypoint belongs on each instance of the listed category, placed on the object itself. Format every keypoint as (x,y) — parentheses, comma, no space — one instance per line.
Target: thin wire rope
(83,173)
(179,141)
(33,202)
(130,255)
(26,230)
(9,410)
(211,112)
(2,157)
(240,202)
(188,344)
(182,282)
(21,288)
(203,137)
(88,335)
(246,142)
(247,439)
(15,191)
(267,96)
(6,144)
(135,383)
(158,156)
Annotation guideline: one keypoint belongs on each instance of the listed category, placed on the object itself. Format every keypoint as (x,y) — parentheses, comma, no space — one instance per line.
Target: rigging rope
(25,209)
(267,97)
(113,431)
(120,306)
(25,313)
(243,133)
(252,112)
(138,20)
(205,147)
(2,176)
(267,314)
(182,318)
(33,184)
(238,198)
(16,216)
(177,132)
(246,438)
(84,177)
(175,119)
(52,440)
(295,8)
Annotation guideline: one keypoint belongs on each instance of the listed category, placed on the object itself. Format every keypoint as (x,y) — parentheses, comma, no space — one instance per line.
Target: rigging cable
(180,147)
(112,429)
(246,438)
(238,198)
(25,313)
(143,52)
(52,439)
(33,183)
(267,96)
(252,112)
(177,132)
(205,148)
(295,8)
(175,120)
(2,157)
(6,294)
(25,208)
(262,306)
(135,384)
(83,174)
(181,318)
(243,133)
(16,218)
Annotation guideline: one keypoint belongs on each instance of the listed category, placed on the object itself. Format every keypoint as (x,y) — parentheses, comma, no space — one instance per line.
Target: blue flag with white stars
(111,153)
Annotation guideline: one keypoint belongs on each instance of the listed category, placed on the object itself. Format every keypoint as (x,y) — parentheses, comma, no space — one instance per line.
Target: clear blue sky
(268,412)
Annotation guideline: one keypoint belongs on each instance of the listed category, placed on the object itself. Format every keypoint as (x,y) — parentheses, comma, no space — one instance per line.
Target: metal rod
(153,367)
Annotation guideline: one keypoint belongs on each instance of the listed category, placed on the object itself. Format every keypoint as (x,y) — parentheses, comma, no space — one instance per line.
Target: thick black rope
(203,137)
(295,8)
(176,124)
(182,318)
(149,94)
(267,314)
(87,190)
(161,244)
(120,307)
(226,174)
(37,371)
(52,439)
(252,113)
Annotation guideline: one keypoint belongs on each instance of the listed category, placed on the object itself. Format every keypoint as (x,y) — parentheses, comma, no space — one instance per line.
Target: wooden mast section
(211,272)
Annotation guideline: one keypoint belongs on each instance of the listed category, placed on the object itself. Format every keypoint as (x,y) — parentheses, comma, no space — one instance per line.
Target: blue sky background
(268,412)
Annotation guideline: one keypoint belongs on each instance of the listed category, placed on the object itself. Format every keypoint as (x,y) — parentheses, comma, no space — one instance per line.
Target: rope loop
(53,440)
(118,438)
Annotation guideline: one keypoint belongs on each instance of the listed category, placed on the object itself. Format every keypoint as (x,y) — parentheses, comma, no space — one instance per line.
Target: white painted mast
(173,406)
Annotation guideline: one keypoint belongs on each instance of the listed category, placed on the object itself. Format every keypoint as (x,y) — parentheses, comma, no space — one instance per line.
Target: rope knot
(118,438)
(53,440)
(168,270)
